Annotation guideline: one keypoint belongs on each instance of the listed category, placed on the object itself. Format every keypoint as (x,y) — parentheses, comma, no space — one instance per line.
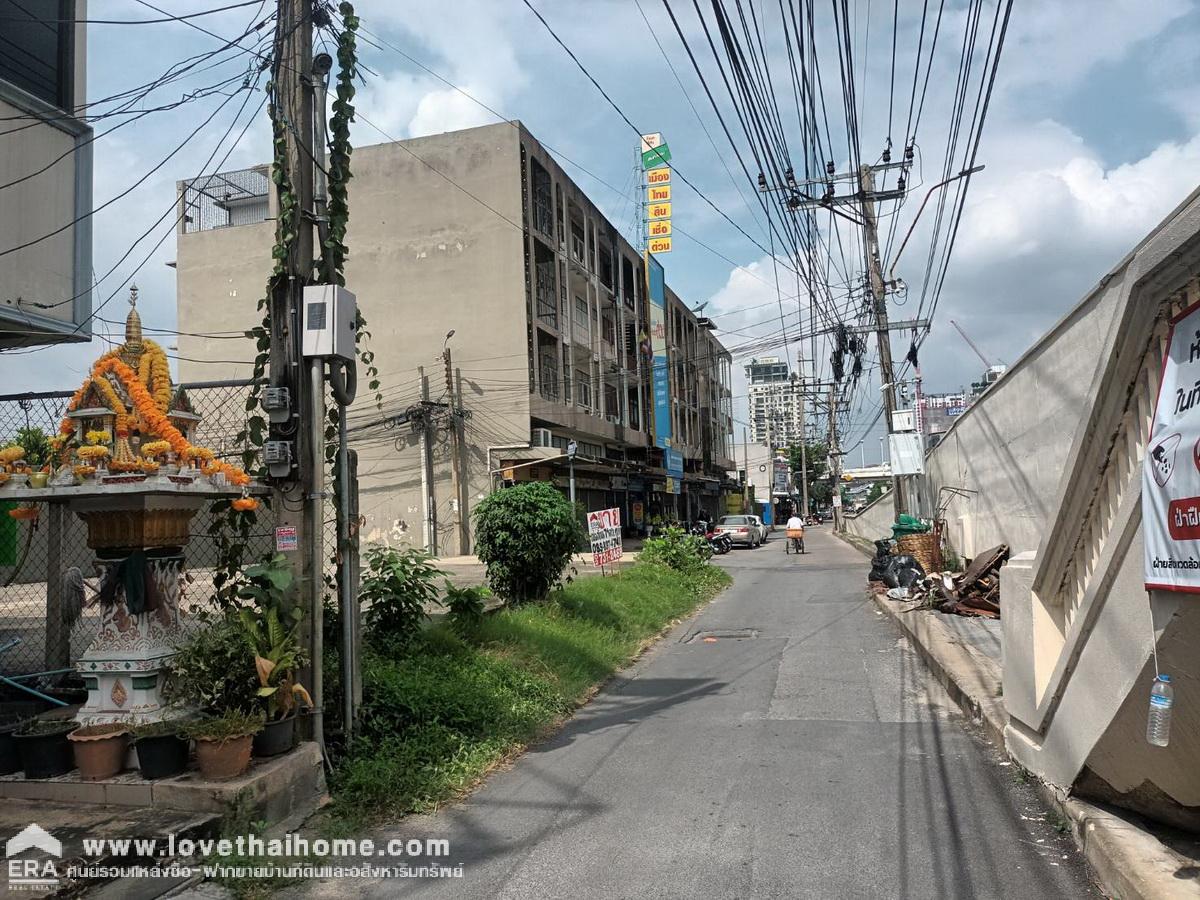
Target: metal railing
(226,199)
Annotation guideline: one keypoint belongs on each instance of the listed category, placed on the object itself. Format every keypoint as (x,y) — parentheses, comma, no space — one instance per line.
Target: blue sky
(1093,136)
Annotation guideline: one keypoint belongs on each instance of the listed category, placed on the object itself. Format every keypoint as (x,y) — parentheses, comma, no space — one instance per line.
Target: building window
(583,389)
(606,268)
(37,49)
(608,331)
(547,304)
(612,407)
(577,251)
(543,216)
(549,376)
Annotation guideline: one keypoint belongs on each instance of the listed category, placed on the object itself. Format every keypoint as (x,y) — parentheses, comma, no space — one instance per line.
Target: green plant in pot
(162,748)
(211,671)
(43,747)
(273,638)
(223,743)
(100,749)
(277,655)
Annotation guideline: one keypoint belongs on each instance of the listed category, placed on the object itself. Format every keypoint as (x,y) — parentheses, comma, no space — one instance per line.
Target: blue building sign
(657,292)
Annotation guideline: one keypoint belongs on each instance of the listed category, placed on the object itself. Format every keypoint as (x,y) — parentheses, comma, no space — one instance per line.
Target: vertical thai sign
(656,290)
(1171,467)
(656,205)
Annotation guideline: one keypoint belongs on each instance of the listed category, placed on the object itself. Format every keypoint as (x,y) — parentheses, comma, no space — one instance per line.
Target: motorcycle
(717,540)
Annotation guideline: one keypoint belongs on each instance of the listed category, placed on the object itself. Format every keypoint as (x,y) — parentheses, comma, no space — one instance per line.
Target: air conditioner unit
(542,438)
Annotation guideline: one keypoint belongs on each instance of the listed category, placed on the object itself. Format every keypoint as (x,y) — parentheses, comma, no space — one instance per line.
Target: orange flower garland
(24,513)
(245,504)
(150,406)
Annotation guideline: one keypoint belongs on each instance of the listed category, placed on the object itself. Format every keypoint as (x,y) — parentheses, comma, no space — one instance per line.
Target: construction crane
(986,362)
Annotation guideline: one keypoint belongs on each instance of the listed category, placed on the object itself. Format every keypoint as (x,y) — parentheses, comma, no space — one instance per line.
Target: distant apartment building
(480,232)
(776,401)
(940,411)
(45,286)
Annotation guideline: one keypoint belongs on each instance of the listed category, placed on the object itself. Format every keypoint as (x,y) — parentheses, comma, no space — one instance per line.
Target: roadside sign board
(285,539)
(660,228)
(658,192)
(656,156)
(658,211)
(604,531)
(1171,466)
(660,245)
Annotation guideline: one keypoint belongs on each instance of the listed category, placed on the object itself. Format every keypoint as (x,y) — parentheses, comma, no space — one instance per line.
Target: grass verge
(439,716)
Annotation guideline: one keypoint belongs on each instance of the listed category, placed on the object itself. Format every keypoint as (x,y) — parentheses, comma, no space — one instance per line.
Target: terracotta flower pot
(223,759)
(99,750)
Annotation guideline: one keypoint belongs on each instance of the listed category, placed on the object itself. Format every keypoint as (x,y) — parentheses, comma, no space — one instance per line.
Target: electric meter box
(329,316)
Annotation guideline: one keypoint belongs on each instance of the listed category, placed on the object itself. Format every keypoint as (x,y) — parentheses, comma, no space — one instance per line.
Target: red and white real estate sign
(604,530)
(1171,468)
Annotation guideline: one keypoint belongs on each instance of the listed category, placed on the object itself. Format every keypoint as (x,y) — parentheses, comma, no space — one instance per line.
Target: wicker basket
(924,547)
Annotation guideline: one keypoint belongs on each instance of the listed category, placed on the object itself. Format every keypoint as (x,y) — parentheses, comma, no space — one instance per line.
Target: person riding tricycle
(795,535)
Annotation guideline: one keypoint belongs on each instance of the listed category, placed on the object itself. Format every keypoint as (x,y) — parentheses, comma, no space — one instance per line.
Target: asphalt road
(802,753)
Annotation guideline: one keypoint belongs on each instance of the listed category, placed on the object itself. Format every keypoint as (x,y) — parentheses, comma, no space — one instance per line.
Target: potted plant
(100,749)
(44,749)
(223,743)
(212,671)
(38,453)
(276,650)
(162,748)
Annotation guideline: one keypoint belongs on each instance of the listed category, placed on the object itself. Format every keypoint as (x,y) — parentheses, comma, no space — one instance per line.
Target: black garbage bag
(902,571)
(881,559)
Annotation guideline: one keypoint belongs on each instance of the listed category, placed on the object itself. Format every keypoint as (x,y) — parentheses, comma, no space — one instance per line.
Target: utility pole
(745,470)
(803,435)
(879,302)
(299,497)
(835,460)
(429,520)
(455,454)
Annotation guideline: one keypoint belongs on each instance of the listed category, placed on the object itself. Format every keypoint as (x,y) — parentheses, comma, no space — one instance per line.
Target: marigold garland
(150,406)
(24,513)
(92,452)
(155,448)
(98,437)
(245,504)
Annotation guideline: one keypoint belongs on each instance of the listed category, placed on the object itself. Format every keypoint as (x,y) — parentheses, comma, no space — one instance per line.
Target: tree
(817,458)
(526,535)
(875,493)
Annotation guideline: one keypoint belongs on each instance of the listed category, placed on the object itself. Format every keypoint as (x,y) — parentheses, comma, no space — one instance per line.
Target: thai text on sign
(1171,467)
(604,531)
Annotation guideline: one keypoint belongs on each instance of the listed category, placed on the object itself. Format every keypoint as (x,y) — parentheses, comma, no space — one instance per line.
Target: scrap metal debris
(975,592)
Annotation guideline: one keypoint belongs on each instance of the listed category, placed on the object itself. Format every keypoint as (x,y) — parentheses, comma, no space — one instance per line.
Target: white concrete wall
(874,521)
(1010,446)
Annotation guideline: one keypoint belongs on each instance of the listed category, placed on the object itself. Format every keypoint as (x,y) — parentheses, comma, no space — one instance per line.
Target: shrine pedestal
(139,545)
(139,530)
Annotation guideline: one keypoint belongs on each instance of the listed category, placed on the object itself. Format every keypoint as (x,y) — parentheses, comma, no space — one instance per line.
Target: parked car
(742,530)
(763,531)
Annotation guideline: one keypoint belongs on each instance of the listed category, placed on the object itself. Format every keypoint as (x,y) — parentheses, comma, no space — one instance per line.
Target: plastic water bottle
(1158,729)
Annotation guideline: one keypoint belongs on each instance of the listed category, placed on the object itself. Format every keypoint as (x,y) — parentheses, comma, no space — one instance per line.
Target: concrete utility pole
(879,301)
(745,470)
(835,460)
(455,453)
(429,519)
(299,497)
(803,435)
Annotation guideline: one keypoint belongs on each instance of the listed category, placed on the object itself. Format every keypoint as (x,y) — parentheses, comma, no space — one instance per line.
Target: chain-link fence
(26,557)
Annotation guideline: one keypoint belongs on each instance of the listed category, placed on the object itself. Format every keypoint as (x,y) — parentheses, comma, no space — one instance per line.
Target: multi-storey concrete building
(481,233)
(45,285)
(776,403)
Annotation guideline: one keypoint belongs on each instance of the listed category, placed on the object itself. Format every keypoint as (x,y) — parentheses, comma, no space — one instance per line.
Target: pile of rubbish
(975,592)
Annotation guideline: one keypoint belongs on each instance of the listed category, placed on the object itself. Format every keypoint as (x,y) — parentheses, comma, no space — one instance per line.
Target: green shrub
(397,587)
(676,549)
(213,669)
(464,607)
(526,535)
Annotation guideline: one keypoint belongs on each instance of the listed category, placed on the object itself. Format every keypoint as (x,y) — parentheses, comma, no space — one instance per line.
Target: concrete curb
(1129,863)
